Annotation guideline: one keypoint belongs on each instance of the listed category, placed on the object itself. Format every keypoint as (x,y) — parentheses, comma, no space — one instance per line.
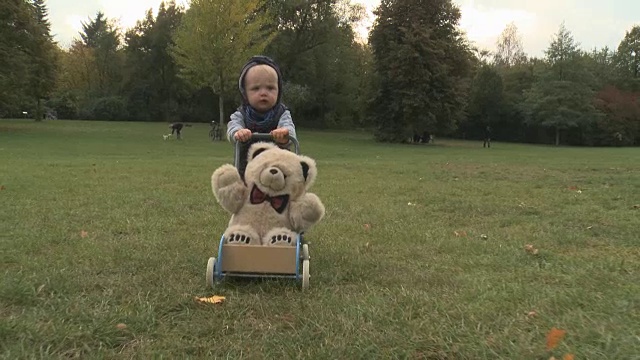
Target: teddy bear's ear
(305,169)
(309,170)
(257,149)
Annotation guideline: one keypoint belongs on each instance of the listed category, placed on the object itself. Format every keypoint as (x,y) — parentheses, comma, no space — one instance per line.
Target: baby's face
(261,86)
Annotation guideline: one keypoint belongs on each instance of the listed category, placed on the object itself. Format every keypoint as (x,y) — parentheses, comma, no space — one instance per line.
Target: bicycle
(215,133)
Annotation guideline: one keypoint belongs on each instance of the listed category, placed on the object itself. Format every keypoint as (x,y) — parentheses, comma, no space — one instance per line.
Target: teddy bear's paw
(280,237)
(241,235)
(239,239)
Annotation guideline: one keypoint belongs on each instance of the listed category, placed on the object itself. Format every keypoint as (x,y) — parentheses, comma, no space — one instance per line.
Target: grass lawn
(105,232)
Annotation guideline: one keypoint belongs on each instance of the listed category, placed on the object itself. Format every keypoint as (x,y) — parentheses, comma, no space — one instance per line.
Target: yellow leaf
(211,300)
(554,337)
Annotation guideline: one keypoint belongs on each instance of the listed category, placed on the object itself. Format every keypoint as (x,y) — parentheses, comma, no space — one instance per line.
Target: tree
(317,51)
(422,62)
(627,59)
(561,98)
(102,37)
(485,99)
(215,38)
(510,51)
(43,58)
(152,80)
(16,28)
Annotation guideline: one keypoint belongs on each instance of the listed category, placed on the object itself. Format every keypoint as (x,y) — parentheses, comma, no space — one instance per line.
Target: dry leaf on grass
(460,233)
(531,249)
(532,314)
(83,234)
(554,337)
(568,357)
(121,326)
(367,227)
(211,300)
(2,187)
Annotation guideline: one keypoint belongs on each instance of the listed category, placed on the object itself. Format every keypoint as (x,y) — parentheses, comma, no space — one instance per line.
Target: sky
(593,23)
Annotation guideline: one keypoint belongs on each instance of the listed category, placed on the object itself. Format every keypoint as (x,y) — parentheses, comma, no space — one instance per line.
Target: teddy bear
(272,204)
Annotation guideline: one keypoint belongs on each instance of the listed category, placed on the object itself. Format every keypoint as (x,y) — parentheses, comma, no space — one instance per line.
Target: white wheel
(305,274)
(305,252)
(211,268)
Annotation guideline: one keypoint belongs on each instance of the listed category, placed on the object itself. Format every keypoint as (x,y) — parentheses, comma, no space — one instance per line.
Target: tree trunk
(221,100)
(38,113)
(557,136)
(221,104)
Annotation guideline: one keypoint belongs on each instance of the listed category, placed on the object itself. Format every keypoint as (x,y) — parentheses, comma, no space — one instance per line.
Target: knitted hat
(259,60)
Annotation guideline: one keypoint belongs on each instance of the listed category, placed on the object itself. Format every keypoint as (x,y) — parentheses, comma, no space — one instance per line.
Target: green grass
(406,288)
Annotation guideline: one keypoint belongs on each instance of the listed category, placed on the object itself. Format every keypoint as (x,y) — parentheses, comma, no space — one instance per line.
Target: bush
(109,108)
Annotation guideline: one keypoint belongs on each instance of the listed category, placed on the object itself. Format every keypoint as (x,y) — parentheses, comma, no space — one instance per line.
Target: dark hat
(259,60)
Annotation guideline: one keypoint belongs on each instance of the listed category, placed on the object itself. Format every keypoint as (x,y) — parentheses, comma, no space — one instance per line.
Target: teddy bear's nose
(273,171)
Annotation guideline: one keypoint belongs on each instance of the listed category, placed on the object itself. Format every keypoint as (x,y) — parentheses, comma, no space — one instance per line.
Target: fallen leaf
(573,188)
(568,357)
(2,187)
(83,234)
(589,227)
(460,233)
(121,326)
(367,227)
(211,300)
(532,314)
(554,337)
(531,249)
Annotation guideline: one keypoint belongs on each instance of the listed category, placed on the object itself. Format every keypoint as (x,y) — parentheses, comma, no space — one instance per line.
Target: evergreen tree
(627,60)
(16,28)
(422,62)
(42,75)
(152,75)
(485,100)
(562,97)
(102,37)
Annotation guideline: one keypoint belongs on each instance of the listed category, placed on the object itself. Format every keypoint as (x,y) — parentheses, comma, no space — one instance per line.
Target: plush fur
(279,177)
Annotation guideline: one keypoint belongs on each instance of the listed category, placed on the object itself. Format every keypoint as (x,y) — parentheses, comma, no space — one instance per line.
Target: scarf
(262,123)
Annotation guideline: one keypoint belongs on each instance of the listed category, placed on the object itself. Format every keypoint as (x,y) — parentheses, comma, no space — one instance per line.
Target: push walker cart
(257,261)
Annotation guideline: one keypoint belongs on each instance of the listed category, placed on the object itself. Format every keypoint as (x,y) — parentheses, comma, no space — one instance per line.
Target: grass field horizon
(443,251)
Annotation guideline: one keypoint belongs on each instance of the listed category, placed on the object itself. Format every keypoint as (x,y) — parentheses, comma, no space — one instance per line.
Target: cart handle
(265,137)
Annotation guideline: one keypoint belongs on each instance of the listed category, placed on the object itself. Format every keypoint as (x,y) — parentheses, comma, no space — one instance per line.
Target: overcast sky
(593,23)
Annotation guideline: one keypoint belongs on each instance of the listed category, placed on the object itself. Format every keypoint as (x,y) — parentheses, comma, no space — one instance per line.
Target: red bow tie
(279,203)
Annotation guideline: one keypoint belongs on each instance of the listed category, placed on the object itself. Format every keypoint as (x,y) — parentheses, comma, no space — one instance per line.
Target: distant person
(177,129)
(262,110)
(487,137)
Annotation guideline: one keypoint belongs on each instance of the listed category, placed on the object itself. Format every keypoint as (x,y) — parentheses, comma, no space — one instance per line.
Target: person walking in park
(487,137)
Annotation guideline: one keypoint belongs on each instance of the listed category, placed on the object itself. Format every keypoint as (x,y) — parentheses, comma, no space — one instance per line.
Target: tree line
(417,73)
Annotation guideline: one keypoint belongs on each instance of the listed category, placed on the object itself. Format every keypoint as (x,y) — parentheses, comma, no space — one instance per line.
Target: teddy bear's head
(276,171)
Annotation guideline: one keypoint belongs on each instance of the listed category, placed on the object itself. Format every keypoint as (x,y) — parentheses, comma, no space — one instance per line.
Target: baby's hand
(280,135)
(242,135)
